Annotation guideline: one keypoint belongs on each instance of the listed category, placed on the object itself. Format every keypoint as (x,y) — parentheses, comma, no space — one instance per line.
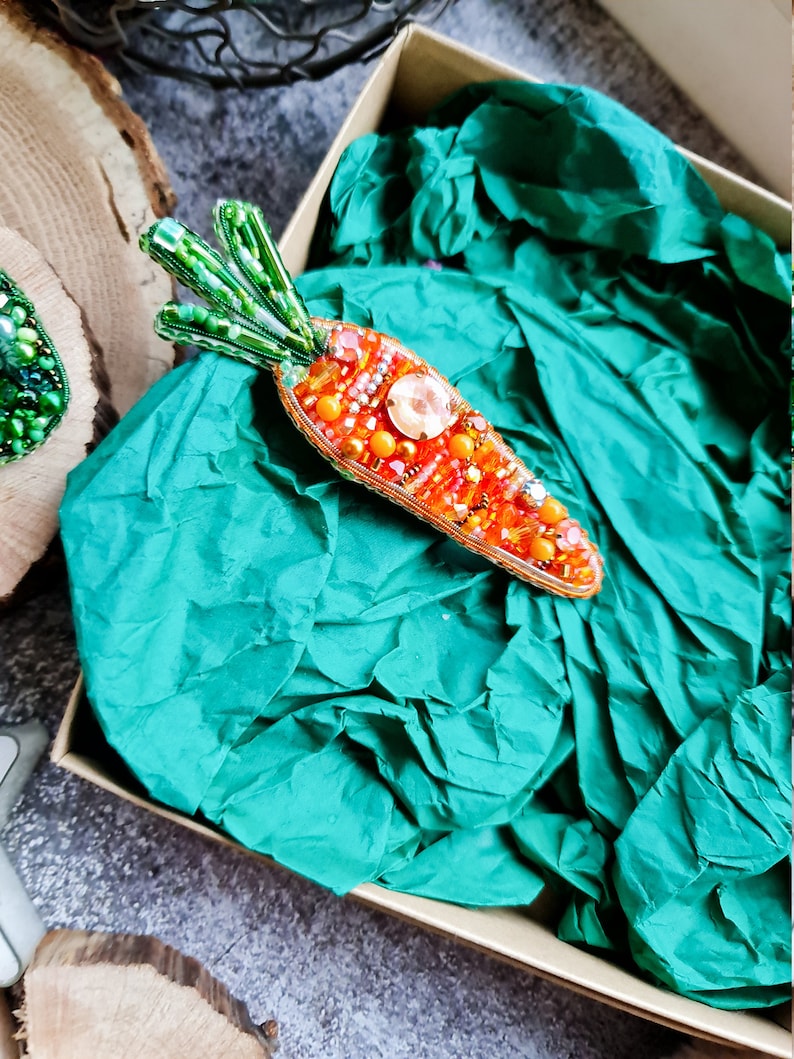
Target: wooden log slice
(121,996)
(80,179)
(31,488)
(9,1048)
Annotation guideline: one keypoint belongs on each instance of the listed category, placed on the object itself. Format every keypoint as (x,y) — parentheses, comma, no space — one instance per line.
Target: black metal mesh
(246,43)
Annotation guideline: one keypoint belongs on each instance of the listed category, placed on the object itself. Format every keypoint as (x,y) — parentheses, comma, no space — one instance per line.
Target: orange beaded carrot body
(392,422)
(381,414)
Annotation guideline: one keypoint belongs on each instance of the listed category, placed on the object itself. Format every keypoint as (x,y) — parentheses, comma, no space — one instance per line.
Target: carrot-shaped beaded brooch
(34,390)
(380,413)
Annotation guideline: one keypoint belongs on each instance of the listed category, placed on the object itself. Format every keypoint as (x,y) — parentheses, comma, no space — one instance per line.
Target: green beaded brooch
(376,410)
(34,391)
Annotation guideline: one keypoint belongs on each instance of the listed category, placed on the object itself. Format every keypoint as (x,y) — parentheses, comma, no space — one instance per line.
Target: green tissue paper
(339,686)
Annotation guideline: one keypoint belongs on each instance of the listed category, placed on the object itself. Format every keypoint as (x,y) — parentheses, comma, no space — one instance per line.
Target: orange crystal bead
(483,452)
(321,373)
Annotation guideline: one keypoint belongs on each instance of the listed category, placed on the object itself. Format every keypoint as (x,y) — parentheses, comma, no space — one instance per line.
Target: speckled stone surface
(342,980)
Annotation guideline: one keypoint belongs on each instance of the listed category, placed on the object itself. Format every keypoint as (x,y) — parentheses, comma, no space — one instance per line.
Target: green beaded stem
(34,390)
(253,311)
(246,236)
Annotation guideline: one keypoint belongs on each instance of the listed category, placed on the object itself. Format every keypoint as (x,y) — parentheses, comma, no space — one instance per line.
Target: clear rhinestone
(536,490)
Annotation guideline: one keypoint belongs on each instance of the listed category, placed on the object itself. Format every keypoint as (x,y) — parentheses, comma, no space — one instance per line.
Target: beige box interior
(733,58)
(417,71)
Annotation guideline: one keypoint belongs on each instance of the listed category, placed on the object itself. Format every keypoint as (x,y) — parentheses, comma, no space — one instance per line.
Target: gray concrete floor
(342,980)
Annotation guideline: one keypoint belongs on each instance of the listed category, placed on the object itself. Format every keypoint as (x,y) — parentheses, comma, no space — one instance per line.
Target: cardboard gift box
(733,57)
(417,72)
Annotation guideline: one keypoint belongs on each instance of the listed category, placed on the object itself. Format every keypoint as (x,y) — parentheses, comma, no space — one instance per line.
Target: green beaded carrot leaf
(253,310)
(34,390)
(377,411)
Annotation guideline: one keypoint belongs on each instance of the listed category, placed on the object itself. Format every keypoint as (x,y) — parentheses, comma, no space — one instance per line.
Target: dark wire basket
(243,43)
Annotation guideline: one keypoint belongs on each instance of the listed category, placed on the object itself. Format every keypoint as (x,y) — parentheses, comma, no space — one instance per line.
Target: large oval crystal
(419,406)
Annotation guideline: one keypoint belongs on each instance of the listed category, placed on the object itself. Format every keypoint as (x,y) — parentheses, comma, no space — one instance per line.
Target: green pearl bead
(36,436)
(18,447)
(8,330)
(18,314)
(24,353)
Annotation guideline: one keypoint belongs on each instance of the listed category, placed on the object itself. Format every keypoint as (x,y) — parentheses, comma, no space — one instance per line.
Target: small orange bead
(329,408)
(352,448)
(471,523)
(382,444)
(461,446)
(542,549)
(551,511)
